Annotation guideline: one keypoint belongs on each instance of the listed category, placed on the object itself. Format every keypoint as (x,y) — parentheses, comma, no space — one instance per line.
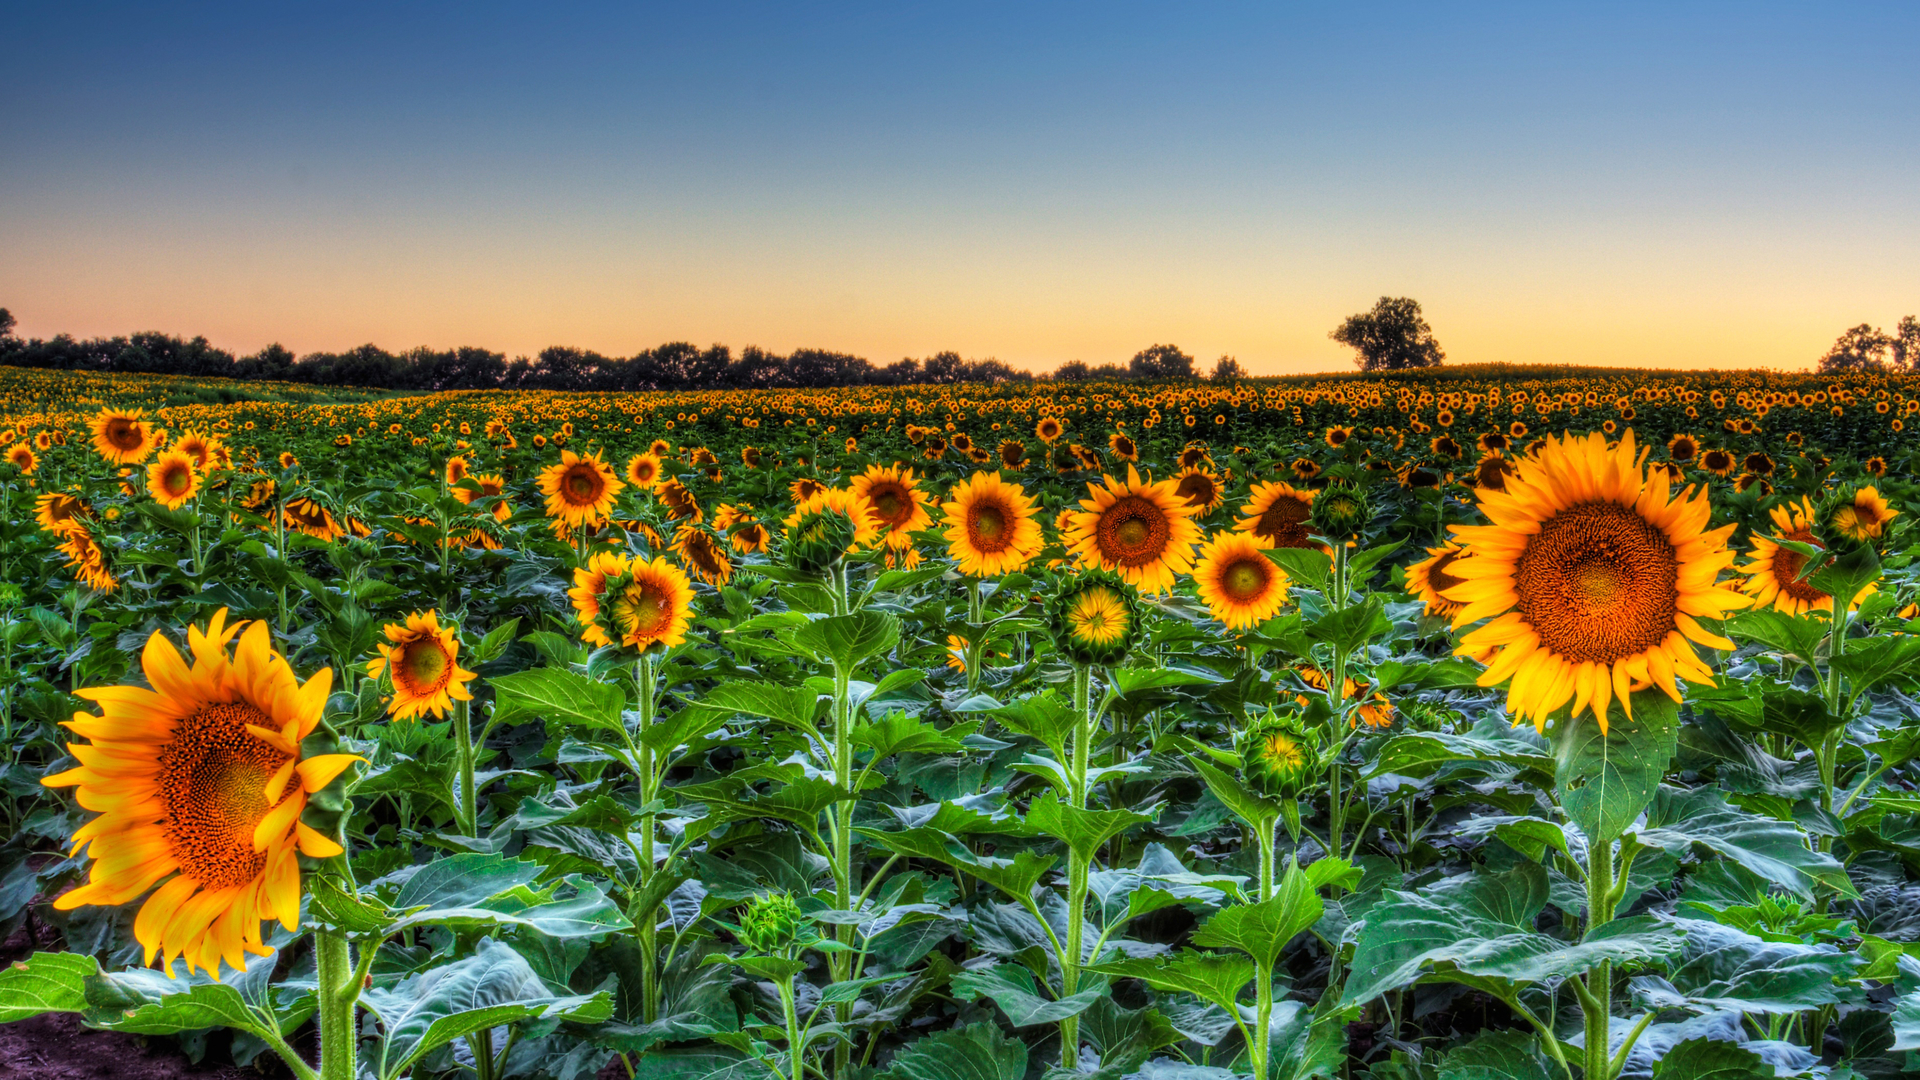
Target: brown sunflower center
(583,485)
(125,435)
(891,505)
(987,528)
(1598,583)
(1438,578)
(1246,580)
(644,611)
(1787,565)
(213,778)
(176,480)
(1283,522)
(1196,488)
(424,666)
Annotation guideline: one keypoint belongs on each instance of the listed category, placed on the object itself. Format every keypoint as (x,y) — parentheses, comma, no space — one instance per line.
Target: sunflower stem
(337,996)
(643,678)
(1597,1001)
(469,817)
(1077,864)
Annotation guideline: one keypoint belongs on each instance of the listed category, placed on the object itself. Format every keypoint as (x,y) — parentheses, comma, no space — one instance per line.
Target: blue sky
(1642,184)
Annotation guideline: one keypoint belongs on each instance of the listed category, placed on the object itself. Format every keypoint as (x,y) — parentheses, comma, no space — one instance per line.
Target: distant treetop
(1391,337)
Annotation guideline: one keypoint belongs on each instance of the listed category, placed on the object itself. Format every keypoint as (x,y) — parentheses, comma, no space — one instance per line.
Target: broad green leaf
(699,1063)
(1350,628)
(1016,876)
(1720,967)
(1680,820)
(848,640)
(1212,977)
(147,1002)
(1420,754)
(1799,636)
(494,986)
(43,983)
(1496,1055)
(790,705)
(559,696)
(974,1052)
(1906,1022)
(1252,808)
(1082,830)
(591,914)
(1712,1059)
(1013,989)
(899,733)
(463,881)
(1046,716)
(495,643)
(1134,680)
(1605,781)
(330,905)
(1262,930)
(1307,568)
(1868,662)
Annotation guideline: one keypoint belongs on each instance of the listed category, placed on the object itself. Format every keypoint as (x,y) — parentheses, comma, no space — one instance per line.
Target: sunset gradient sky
(1674,185)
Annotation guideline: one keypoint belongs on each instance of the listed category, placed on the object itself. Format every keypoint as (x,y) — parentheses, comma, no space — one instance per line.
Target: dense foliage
(986,731)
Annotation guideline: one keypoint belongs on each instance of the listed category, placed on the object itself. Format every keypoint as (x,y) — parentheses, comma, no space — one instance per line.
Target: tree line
(1393,335)
(1869,348)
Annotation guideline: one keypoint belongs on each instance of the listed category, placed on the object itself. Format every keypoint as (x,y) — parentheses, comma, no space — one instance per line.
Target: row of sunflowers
(1516,723)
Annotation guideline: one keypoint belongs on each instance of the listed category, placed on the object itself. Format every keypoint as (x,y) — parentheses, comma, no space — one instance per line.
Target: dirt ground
(56,1047)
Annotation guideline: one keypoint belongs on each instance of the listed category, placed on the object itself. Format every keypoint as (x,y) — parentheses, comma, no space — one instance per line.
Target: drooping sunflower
(705,556)
(458,469)
(1142,531)
(421,658)
(649,606)
(899,506)
(590,589)
(831,524)
(804,488)
(990,526)
(201,780)
(1277,513)
(122,437)
(749,537)
(1241,586)
(1428,579)
(306,516)
(490,485)
(58,512)
(579,489)
(1594,578)
(1772,576)
(171,479)
(1864,516)
(679,502)
(86,559)
(643,471)
(1200,489)
(1123,447)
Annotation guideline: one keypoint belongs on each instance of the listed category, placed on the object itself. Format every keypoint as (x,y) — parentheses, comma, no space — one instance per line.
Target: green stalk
(337,996)
(1336,697)
(795,1067)
(1597,998)
(469,814)
(974,653)
(643,678)
(1262,1042)
(1077,865)
(839,963)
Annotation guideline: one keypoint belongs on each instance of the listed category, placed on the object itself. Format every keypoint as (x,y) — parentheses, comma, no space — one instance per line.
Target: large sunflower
(59,513)
(990,527)
(840,503)
(899,506)
(122,437)
(643,471)
(704,555)
(1241,586)
(201,778)
(579,489)
(171,479)
(650,605)
(1594,578)
(1865,516)
(1200,489)
(422,657)
(1277,513)
(1429,579)
(489,485)
(1773,575)
(1144,532)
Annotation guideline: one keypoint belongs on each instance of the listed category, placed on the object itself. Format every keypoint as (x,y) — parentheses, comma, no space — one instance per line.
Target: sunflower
(1865,516)
(20,456)
(1875,466)
(1758,464)
(1048,429)
(1337,436)
(421,658)
(490,486)
(643,471)
(201,780)
(1594,578)
(458,469)
(122,437)
(309,517)
(590,589)
(1194,455)
(650,605)
(1717,462)
(1142,531)
(287,460)
(1493,442)
(59,513)
(678,500)
(1123,447)
(804,488)
(704,555)
(1492,472)
(749,537)
(1277,513)
(579,490)
(86,559)
(1428,580)
(841,519)
(1241,586)
(1200,489)
(1094,618)
(659,448)
(171,479)
(1773,577)
(1683,447)
(899,506)
(1444,446)
(1013,454)
(990,526)
(195,445)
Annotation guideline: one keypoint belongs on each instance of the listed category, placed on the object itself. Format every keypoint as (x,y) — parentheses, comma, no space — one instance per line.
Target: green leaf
(1711,1059)
(1680,820)
(1721,967)
(495,642)
(1496,1055)
(1307,568)
(1012,988)
(699,1063)
(1350,628)
(464,880)
(494,986)
(1045,716)
(1016,876)
(330,905)
(1263,929)
(1798,636)
(848,640)
(1868,662)
(1605,781)
(44,983)
(1212,977)
(146,1002)
(1420,754)
(974,1052)
(559,696)
(903,734)
(1082,830)
(1251,807)
(791,705)
(1906,1022)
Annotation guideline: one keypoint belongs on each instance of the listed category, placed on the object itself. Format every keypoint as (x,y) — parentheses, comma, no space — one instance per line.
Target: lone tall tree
(1863,348)
(1391,336)
(1161,362)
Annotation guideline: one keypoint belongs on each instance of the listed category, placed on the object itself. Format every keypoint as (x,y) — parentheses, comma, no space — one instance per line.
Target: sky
(1669,184)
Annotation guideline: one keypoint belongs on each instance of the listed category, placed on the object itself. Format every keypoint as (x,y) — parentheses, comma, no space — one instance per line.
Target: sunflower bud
(1278,756)
(1858,513)
(771,924)
(818,541)
(1095,618)
(1339,511)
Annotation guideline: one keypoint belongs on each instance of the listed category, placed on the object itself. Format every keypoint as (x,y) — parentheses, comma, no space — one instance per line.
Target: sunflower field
(1495,722)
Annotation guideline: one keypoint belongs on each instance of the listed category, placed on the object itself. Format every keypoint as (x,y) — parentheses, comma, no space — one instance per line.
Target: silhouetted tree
(1863,348)
(1072,371)
(1227,369)
(1391,337)
(6,323)
(1161,362)
(1906,343)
